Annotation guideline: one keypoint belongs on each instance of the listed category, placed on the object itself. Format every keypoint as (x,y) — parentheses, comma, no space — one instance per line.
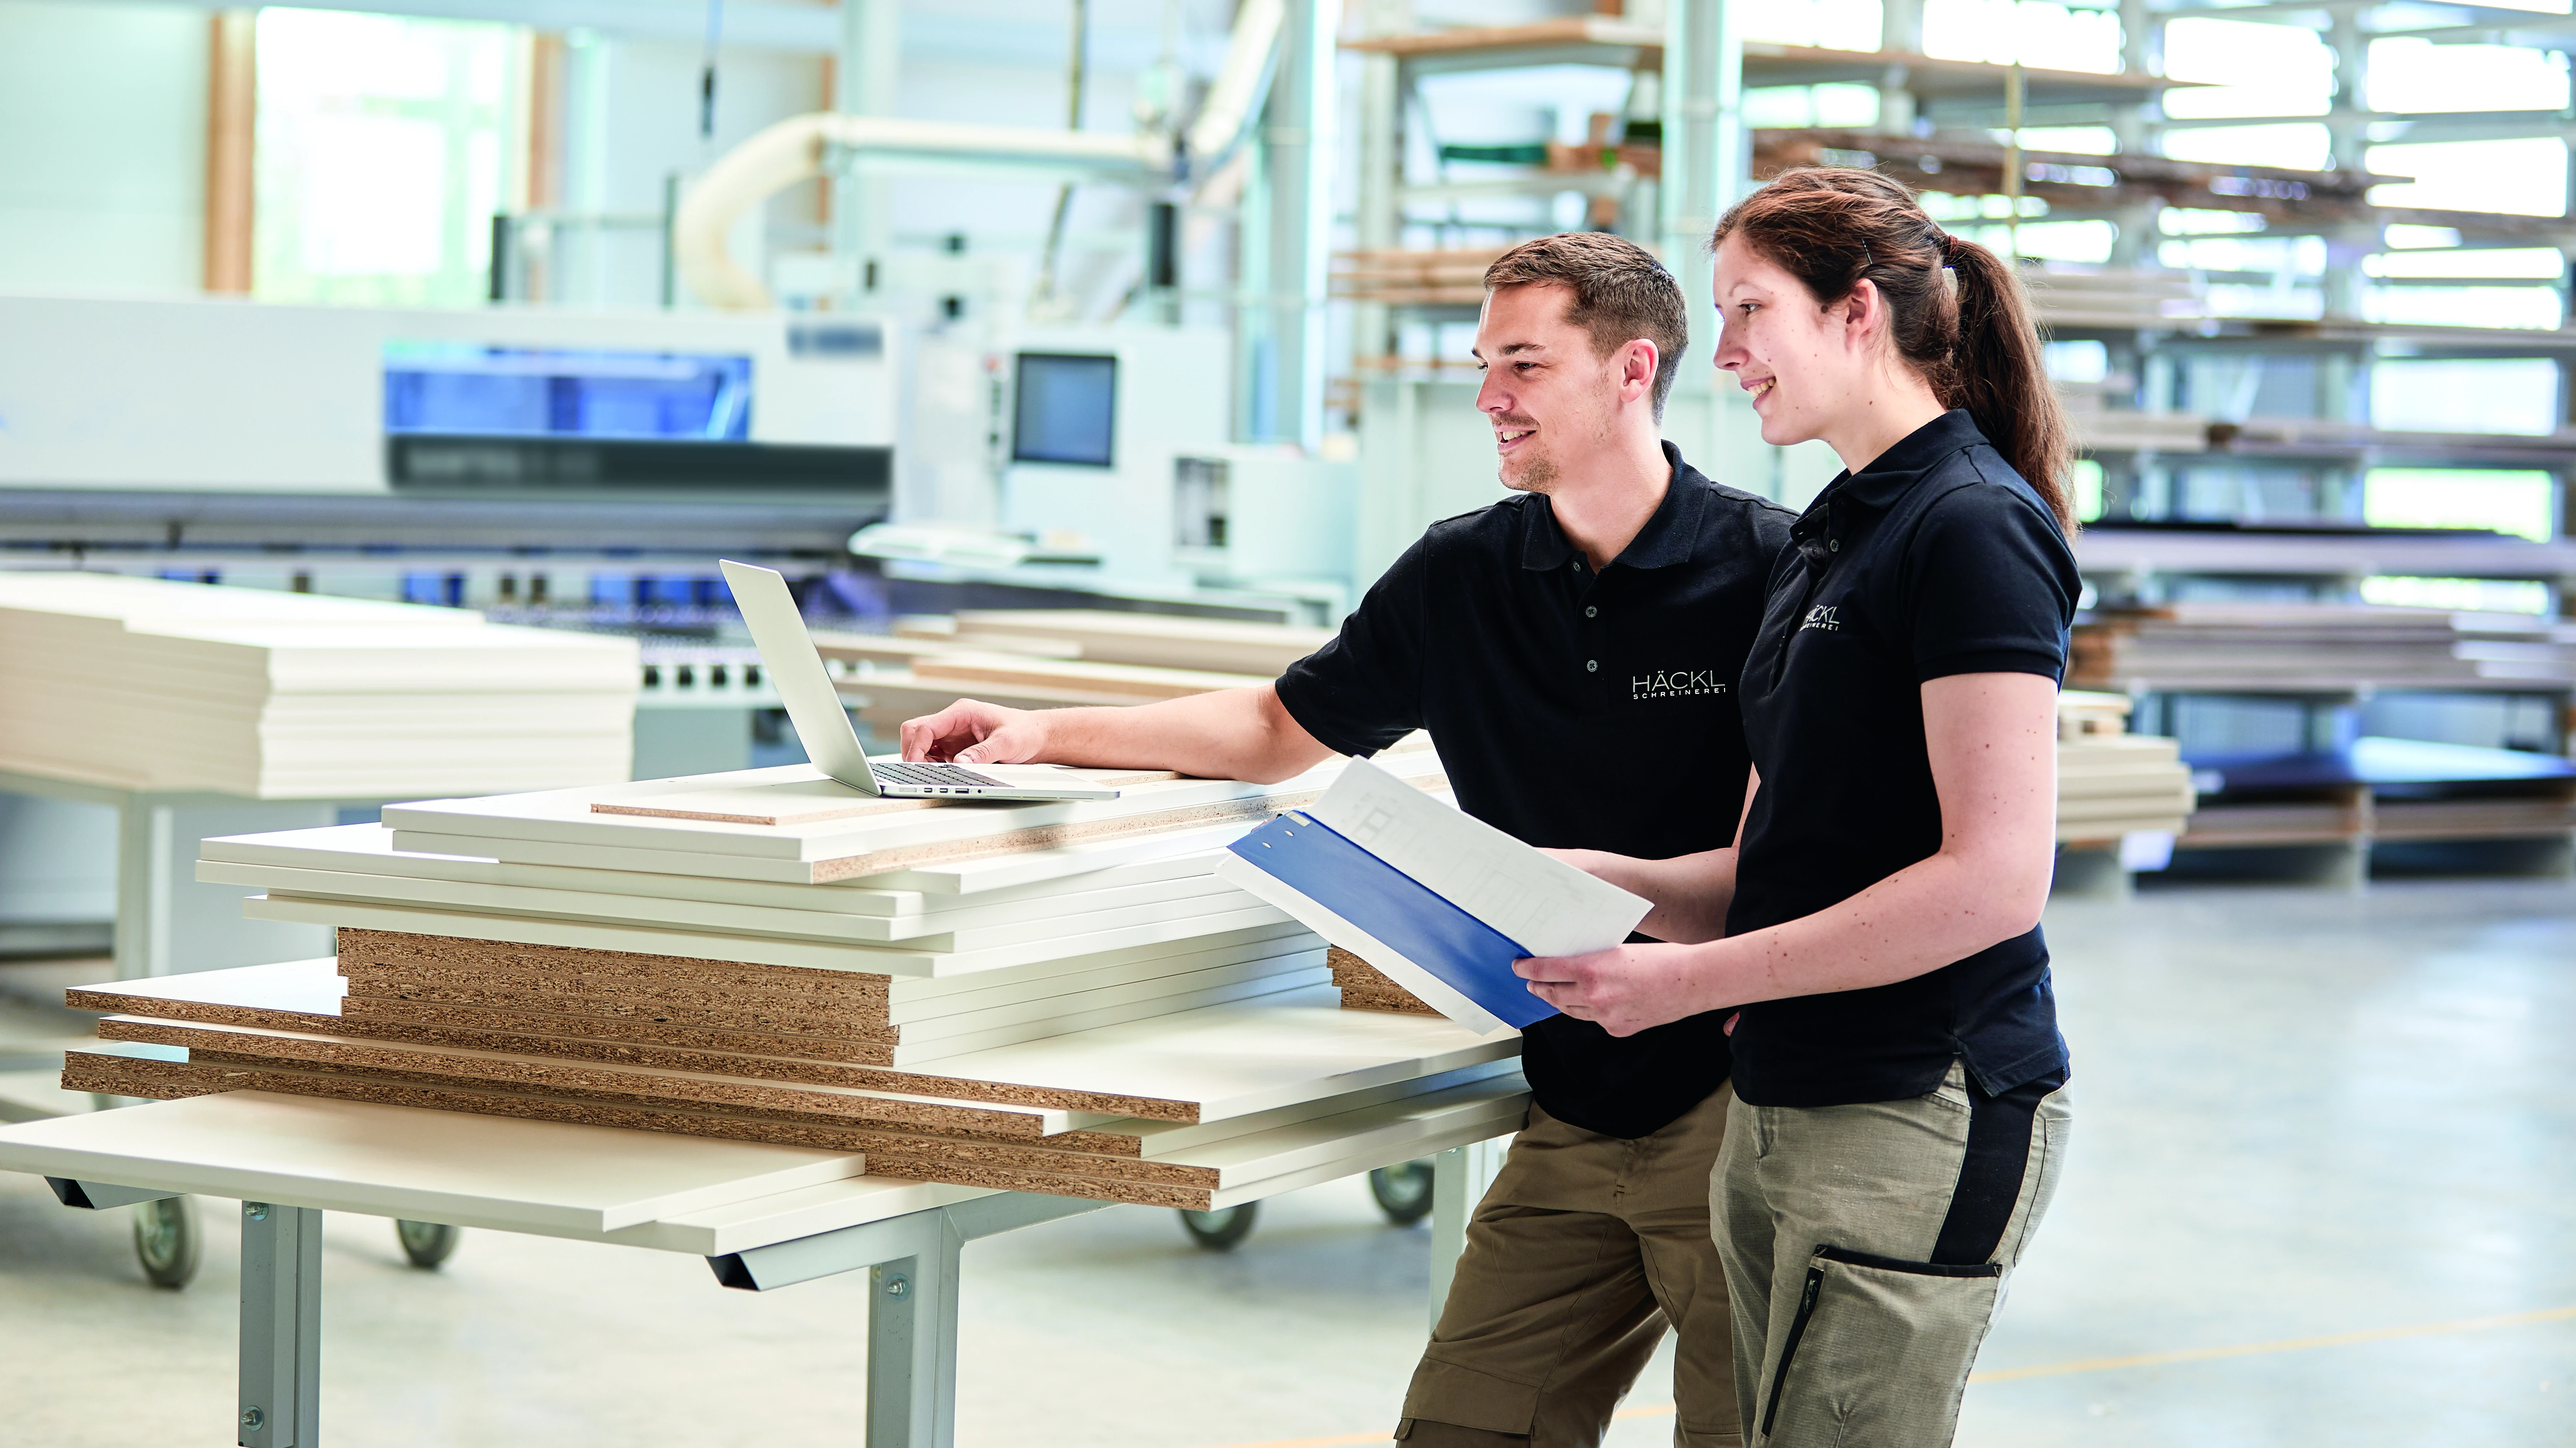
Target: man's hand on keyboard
(969,732)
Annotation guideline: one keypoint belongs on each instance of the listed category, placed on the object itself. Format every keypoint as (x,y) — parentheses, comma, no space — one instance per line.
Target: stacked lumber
(2110,782)
(1053,997)
(1055,659)
(139,683)
(2310,647)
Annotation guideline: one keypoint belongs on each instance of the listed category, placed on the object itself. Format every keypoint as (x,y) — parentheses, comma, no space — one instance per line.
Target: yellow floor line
(2086,1365)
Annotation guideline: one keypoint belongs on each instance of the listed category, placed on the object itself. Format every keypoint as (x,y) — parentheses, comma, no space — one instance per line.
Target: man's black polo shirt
(1938,559)
(1576,712)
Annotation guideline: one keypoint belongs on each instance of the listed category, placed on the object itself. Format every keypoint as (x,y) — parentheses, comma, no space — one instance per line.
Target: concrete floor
(2323,1192)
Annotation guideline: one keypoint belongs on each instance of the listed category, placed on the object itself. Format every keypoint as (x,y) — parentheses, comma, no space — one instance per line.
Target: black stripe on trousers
(1990,1174)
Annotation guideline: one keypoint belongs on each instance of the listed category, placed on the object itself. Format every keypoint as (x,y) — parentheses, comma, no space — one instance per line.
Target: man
(1573,650)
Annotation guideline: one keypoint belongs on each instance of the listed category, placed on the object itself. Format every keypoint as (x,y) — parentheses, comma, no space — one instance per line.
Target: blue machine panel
(461,389)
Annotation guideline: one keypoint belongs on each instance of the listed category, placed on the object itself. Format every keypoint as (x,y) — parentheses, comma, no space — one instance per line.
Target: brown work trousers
(1585,1247)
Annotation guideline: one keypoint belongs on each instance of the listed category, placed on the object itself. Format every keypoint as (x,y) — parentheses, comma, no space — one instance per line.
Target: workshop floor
(2323,1191)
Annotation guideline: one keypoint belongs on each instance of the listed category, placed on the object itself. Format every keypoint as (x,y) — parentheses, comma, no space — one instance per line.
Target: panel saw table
(763,1216)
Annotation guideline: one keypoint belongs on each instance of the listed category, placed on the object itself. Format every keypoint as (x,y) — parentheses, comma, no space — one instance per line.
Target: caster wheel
(426,1243)
(166,1240)
(1220,1231)
(1403,1191)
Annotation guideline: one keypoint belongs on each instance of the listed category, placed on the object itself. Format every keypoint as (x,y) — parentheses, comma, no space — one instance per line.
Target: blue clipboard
(1472,957)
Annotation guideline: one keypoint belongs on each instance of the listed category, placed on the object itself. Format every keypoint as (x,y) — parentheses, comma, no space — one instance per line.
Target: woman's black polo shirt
(1572,711)
(1938,559)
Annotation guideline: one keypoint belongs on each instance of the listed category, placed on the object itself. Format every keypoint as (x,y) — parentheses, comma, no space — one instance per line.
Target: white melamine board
(359,659)
(962,877)
(788,1216)
(368,849)
(1234,1060)
(393,1161)
(976,929)
(918,999)
(565,816)
(1034,869)
(1158,1139)
(747,949)
(458,1062)
(1458,1128)
(2176,802)
(1394,1128)
(311,987)
(2123,786)
(1266,975)
(1082,1013)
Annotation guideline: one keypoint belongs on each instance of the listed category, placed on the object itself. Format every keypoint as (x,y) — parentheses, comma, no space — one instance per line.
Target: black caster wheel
(426,1243)
(166,1240)
(1220,1231)
(1403,1191)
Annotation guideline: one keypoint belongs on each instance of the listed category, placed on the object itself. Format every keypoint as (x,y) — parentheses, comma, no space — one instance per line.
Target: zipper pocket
(1797,1329)
(1814,1291)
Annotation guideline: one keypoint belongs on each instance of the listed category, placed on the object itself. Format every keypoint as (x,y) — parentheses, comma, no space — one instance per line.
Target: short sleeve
(1363,691)
(1991,585)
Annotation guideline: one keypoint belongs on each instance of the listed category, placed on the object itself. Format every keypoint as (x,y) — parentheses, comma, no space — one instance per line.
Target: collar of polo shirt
(1666,539)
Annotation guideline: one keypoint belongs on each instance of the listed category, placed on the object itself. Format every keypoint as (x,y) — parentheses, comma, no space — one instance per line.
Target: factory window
(385,145)
(2034,32)
(2503,500)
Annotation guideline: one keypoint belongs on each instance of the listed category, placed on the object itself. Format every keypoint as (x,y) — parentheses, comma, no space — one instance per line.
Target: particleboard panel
(1207,1064)
(261,1045)
(1365,988)
(1188,1179)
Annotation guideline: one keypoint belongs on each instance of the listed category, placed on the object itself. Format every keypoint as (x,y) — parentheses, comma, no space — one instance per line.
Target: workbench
(763,1216)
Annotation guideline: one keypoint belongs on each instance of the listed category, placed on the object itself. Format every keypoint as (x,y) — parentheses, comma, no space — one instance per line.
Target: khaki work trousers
(1585,1247)
(1856,1319)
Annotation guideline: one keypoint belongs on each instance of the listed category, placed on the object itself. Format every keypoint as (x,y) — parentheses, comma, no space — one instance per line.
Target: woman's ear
(1864,314)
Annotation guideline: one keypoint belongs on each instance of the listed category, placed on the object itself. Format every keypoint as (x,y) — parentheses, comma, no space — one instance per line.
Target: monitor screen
(1067,409)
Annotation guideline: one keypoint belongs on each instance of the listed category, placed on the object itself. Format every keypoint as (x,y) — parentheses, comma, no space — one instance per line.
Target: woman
(1900,1113)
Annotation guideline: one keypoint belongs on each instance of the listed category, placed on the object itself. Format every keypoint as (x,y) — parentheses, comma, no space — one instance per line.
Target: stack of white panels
(145,684)
(1052,996)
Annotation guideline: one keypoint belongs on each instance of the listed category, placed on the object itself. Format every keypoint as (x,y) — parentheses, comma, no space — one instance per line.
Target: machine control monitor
(1066,409)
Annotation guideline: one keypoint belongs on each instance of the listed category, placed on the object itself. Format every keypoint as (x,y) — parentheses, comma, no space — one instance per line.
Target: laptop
(795,669)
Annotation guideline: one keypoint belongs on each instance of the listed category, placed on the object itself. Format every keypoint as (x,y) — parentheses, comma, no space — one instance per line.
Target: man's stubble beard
(1538,475)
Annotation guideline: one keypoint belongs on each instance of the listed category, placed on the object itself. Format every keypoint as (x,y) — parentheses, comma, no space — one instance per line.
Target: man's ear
(1637,363)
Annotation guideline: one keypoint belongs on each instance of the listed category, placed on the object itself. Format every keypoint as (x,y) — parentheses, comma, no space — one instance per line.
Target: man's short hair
(1621,293)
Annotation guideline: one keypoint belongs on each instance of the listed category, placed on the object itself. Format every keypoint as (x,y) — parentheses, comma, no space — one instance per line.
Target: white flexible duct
(793,150)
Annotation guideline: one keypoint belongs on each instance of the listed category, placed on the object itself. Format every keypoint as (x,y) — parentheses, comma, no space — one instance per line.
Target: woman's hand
(1624,989)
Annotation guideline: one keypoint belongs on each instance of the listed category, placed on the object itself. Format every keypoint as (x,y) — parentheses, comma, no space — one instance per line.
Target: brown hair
(1830,227)
(1621,293)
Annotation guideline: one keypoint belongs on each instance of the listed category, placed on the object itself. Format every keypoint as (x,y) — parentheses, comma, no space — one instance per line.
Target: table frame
(914,1264)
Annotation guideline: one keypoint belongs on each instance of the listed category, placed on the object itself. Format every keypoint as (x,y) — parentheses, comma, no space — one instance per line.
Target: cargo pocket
(1878,1352)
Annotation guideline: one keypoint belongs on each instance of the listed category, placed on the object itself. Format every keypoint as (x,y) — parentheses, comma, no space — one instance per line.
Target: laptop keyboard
(948,775)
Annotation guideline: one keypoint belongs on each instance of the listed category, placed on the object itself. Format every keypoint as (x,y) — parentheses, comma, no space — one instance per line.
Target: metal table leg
(281,1326)
(912,1347)
(912,1300)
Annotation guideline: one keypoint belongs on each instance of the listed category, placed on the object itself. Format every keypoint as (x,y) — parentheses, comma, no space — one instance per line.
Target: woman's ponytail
(1998,376)
(1971,337)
